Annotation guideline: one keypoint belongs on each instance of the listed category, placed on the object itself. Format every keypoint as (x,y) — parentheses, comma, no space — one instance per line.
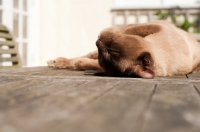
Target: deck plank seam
(95,98)
(197,90)
(95,78)
(79,108)
(75,87)
(142,116)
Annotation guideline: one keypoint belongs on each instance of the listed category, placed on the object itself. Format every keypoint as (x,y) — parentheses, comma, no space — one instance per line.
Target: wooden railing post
(137,16)
(126,15)
(187,14)
(150,14)
(113,18)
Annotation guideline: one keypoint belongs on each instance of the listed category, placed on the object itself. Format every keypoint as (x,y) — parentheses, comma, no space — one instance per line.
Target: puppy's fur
(143,50)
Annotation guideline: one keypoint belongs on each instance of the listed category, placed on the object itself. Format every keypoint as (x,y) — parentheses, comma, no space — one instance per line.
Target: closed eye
(113,51)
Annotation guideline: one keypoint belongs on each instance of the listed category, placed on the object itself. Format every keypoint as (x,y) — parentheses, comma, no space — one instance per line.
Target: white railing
(121,16)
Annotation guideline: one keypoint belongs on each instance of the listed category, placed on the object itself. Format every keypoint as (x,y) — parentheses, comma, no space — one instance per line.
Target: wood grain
(174,108)
(28,90)
(117,110)
(45,99)
(194,76)
(61,103)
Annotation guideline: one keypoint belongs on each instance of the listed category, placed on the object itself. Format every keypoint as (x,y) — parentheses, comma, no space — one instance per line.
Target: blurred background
(47,29)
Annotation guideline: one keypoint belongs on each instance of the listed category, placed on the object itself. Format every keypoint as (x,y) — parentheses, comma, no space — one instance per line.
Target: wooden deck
(49,100)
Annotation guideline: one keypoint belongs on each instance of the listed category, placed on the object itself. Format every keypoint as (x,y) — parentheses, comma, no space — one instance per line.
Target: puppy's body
(145,50)
(174,51)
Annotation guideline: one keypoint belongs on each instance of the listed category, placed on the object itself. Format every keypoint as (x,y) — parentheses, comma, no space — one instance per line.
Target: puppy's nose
(98,43)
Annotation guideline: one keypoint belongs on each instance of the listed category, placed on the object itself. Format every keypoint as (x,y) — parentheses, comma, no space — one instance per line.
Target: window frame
(28,47)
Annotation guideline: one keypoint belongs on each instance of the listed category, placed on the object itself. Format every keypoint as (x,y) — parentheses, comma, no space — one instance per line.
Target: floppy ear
(144,67)
(142,30)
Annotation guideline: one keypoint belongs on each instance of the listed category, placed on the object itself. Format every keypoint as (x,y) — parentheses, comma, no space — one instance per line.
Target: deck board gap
(197,90)
(104,92)
(148,106)
(95,98)
(142,117)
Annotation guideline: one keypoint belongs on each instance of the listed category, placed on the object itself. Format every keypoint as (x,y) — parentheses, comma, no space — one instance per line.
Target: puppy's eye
(113,51)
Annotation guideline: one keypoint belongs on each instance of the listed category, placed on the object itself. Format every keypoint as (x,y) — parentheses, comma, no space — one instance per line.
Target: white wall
(70,28)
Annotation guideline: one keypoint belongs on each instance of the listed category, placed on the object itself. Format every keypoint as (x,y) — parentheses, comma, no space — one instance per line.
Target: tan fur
(145,50)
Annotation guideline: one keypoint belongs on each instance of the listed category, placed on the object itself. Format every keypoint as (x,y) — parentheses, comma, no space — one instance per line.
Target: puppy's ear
(144,67)
(142,30)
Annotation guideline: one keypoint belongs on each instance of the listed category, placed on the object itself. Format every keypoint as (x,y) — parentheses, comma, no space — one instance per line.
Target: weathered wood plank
(116,111)
(55,72)
(197,88)
(23,70)
(27,90)
(17,85)
(194,75)
(174,108)
(8,79)
(54,107)
(173,77)
(47,99)
(45,72)
(52,73)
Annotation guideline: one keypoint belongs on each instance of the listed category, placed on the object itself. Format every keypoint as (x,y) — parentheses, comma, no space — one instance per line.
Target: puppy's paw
(51,63)
(59,63)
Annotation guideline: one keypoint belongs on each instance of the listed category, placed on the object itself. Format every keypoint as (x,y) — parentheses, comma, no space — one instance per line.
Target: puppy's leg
(87,62)
(84,64)
(92,55)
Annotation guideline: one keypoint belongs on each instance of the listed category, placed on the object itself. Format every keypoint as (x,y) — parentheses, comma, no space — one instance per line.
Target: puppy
(139,50)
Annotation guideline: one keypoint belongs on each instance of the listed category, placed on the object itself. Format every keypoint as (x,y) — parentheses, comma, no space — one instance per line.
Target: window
(18,15)
(1,9)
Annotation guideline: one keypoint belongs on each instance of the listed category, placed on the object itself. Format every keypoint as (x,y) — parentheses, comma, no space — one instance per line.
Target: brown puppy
(144,50)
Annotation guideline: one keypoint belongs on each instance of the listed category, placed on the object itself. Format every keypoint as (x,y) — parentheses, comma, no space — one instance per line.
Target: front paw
(59,63)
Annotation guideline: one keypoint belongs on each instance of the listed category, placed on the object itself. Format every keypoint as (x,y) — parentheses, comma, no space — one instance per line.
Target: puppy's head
(124,55)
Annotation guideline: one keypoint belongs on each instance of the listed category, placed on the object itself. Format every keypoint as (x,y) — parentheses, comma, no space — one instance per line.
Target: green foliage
(185,24)
(162,15)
